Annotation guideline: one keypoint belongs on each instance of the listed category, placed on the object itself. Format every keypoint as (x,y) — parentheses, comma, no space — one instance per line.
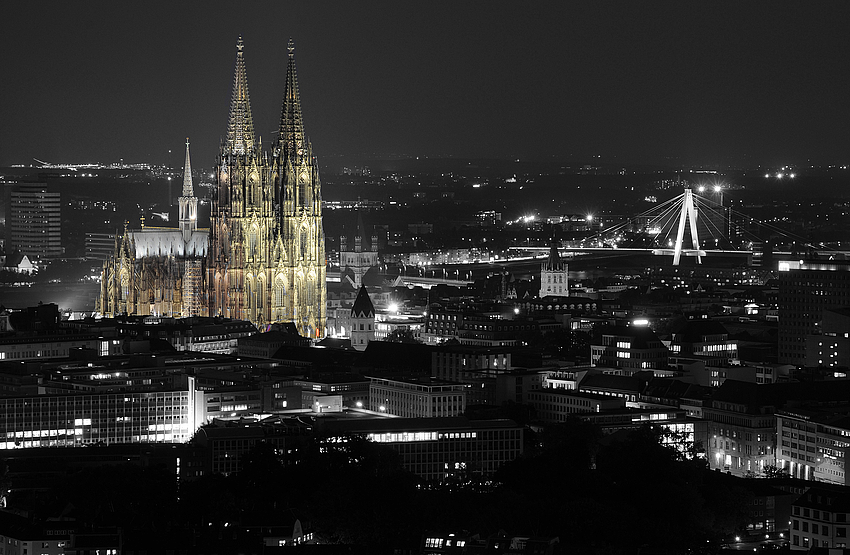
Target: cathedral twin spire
(240,126)
(291,135)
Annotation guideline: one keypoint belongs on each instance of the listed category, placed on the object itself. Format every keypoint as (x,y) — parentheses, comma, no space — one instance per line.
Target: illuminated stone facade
(263,258)
(554,275)
(159,271)
(267,245)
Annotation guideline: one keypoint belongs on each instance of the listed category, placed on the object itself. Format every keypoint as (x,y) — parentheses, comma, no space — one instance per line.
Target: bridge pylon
(688,213)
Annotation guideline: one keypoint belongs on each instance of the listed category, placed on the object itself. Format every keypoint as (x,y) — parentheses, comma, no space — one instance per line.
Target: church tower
(554,275)
(267,252)
(300,248)
(188,200)
(356,259)
(362,320)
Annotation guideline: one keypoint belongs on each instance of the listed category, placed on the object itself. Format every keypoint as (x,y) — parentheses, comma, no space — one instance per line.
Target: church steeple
(554,262)
(188,201)
(291,138)
(554,274)
(188,189)
(240,125)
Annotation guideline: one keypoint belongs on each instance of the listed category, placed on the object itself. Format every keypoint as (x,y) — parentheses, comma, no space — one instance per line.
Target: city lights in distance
(782,173)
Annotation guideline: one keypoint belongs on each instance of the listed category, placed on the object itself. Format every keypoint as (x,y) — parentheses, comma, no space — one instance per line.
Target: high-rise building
(806,290)
(33,221)
(263,258)
(100,246)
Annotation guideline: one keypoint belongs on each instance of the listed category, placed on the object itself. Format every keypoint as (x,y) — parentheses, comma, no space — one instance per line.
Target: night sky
(742,83)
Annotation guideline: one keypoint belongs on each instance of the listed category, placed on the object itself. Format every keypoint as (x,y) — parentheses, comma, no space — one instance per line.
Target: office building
(417,398)
(631,348)
(819,519)
(807,288)
(33,221)
(440,448)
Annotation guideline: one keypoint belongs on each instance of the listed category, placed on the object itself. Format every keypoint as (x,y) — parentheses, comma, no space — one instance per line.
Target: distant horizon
(566,161)
(721,83)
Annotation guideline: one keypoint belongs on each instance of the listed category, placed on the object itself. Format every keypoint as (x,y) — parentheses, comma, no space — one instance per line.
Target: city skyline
(753,84)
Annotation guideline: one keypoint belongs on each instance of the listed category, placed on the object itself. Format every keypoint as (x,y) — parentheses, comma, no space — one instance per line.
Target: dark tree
(402,335)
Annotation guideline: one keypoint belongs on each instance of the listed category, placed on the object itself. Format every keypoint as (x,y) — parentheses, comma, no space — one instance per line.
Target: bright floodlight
(767,175)
(701,188)
(793,175)
(589,217)
(780,175)
(393,307)
(717,188)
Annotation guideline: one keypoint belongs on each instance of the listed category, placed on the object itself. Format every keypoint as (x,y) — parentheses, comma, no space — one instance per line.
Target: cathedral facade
(158,270)
(263,258)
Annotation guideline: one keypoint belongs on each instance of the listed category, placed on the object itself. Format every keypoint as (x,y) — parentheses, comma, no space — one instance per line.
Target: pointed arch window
(261,292)
(305,243)
(249,293)
(279,291)
(304,189)
(253,242)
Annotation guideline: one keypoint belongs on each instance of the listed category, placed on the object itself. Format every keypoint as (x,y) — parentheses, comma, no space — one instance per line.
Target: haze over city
(728,83)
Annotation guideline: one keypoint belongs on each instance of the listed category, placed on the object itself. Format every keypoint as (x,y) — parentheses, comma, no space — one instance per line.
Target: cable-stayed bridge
(691,224)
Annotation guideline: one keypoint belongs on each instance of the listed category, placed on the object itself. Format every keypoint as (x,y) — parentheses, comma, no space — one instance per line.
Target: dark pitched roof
(610,381)
(363,307)
(828,497)
(334,343)
(14,259)
(667,388)
(554,262)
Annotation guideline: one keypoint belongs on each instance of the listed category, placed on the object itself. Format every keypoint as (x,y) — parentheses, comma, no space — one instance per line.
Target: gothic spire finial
(188,190)
(240,125)
(291,138)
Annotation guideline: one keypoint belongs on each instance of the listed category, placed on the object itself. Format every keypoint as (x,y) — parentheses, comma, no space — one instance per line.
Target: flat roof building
(417,398)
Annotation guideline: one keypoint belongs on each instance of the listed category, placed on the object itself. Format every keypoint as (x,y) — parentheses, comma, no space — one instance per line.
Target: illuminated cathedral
(263,258)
